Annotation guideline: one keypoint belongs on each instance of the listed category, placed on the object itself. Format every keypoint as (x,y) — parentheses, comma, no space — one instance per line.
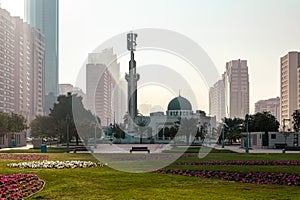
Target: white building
(217,100)
(270,105)
(236,86)
(178,108)
(289,87)
(272,140)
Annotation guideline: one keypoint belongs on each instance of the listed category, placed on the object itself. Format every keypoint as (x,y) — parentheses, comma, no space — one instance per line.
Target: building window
(273,136)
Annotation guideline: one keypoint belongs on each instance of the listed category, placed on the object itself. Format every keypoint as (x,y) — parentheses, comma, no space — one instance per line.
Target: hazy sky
(258,31)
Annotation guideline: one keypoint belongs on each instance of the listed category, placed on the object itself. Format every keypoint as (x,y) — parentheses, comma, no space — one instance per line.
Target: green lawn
(107,183)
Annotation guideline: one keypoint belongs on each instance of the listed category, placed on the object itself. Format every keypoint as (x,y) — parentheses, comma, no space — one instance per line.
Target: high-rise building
(103,93)
(217,100)
(236,87)
(29,68)
(21,66)
(270,105)
(7,63)
(289,87)
(43,15)
(65,88)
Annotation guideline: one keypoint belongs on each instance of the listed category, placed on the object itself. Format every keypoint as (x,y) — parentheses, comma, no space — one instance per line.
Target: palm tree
(142,122)
(187,128)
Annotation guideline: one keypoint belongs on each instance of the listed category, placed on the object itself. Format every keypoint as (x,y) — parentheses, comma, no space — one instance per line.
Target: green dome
(179,103)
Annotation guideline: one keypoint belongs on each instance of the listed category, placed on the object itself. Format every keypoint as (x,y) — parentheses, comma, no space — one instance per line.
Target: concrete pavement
(238,149)
(106,148)
(28,146)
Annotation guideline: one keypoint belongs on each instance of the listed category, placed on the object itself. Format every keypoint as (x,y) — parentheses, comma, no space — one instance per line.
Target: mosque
(159,127)
(161,124)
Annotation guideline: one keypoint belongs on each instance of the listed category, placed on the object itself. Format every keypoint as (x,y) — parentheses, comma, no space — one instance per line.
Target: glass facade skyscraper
(43,15)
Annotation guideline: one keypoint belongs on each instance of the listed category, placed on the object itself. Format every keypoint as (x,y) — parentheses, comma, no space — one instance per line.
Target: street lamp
(95,132)
(68,120)
(223,137)
(247,133)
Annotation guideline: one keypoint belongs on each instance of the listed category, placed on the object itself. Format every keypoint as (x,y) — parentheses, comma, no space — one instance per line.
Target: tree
(142,123)
(296,120)
(201,133)
(233,130)
(43,126)
(173,131)
(118,132)
(64,107)
(263,122)
(4,123)
(187,128)
(12,123)
(17,123)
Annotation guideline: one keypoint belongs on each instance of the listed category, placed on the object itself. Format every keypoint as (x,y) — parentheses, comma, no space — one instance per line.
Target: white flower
(56,164)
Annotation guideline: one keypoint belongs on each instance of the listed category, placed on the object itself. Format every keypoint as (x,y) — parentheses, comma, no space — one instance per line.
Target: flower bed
(14,156)
(243,177)
(19,186)
(56,164)
(252,162)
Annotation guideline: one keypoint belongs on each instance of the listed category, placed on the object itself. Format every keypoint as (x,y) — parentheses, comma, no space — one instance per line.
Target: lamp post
(93,124)
(247,133)
(222,135)
(95,144)
(68,120)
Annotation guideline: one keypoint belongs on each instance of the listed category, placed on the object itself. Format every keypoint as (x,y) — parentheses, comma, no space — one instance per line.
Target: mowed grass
(107,183)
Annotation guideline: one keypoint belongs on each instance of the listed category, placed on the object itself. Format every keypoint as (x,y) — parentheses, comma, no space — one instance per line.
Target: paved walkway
(28,146)
(238,149)
(125,148)
(158,148)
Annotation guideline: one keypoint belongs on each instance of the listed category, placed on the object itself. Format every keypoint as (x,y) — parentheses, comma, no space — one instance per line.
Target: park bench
(81,148)
(139,149)
(291,148)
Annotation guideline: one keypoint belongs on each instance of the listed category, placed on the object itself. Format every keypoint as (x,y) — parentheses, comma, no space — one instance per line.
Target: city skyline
(229,30)
(43,15)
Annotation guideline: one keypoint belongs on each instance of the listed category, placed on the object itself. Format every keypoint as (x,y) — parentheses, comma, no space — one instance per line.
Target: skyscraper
(21,67)
(43,15)
(289,87)
(236,86)
(7,64)
(103,92)
(29,68)
(217,100)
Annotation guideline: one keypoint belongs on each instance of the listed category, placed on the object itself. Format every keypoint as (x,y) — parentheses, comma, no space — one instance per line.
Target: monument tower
(132,78)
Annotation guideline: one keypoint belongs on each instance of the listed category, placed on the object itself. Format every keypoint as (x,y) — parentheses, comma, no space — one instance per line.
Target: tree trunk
(77,139)
(187,139)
